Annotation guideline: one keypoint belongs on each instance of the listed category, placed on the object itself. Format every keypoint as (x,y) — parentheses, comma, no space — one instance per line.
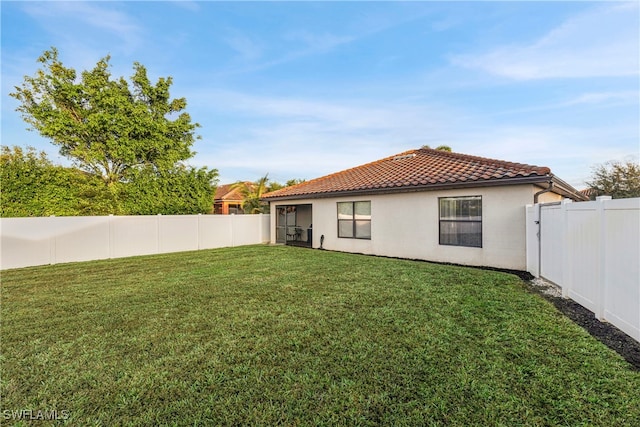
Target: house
(589,193)
(228,199)
(420,204)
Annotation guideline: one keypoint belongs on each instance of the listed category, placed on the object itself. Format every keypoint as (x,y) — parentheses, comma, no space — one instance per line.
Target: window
(354,220)
(461,221)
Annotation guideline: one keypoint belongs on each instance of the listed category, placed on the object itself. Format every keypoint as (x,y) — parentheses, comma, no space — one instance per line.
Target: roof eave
(413,188)
(567,190)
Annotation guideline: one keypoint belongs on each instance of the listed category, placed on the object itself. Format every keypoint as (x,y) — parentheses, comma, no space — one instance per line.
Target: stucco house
(228,199)
(420,204)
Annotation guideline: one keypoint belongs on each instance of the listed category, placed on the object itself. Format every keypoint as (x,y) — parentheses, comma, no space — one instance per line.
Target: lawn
(263,335)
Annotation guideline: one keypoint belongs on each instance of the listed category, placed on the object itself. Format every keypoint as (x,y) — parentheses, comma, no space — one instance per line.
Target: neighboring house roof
(228,193)
(589,192)
(424,169)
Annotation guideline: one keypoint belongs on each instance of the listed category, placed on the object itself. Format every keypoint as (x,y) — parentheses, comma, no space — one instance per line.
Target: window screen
(354,220)
(461,221)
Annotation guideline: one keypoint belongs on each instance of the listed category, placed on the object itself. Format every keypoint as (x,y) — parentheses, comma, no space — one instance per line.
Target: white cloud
(56,17)
(247,48)
(299,43)
(306,138)
(317,43)
(603,41)
(608,98)
(252,53)
(568,151)
(600,100)
(345,115)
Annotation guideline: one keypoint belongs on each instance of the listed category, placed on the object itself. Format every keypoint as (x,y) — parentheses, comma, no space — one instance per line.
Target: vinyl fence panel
(622,265)
(25,242)
(592,251)
(216,231)
(178,233)
(39,241)
(583,246)
(134,235)
(246,231)
(80,238)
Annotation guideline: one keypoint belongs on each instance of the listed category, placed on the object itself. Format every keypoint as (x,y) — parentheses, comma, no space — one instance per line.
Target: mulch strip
(604,332)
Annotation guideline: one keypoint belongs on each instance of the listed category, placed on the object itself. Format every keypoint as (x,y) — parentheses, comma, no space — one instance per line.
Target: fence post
(567,264)
(602,258)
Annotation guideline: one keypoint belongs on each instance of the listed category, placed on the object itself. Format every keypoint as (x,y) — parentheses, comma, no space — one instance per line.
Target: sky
(298,90)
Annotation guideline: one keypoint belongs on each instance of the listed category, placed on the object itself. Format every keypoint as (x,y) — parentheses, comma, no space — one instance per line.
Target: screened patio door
(293,224)
(285,219)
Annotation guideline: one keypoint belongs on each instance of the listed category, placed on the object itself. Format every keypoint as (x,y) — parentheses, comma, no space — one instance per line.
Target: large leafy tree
(105,126)
(179,190)
(616,179)
(33,186)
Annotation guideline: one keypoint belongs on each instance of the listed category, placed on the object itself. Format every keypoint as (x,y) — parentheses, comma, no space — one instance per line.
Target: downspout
(539,193)
(539,222)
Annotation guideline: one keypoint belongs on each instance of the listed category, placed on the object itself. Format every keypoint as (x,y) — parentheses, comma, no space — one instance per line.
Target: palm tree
(251,194)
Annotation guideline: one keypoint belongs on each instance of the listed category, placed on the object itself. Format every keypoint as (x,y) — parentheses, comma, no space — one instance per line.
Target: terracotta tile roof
(589,192)
(226,192)
(423,168)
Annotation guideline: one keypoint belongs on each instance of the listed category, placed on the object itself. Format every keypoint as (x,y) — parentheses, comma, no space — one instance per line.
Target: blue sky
(303,89)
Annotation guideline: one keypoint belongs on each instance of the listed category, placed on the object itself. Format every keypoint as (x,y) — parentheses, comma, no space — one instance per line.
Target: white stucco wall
(405,225)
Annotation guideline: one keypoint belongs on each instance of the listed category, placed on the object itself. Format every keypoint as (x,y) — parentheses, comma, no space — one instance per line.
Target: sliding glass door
(293,224)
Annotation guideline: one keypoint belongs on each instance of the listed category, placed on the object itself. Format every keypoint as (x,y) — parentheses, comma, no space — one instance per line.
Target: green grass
(264,335)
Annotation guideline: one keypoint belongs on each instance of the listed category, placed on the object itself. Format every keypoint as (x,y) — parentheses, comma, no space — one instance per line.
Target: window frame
(354,221)
(460,220)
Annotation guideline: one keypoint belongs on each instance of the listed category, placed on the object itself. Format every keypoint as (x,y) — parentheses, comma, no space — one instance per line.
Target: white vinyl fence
(51,240)
(592,251)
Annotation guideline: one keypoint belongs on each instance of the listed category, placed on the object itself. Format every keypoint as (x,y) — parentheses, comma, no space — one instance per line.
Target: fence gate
(551,242)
